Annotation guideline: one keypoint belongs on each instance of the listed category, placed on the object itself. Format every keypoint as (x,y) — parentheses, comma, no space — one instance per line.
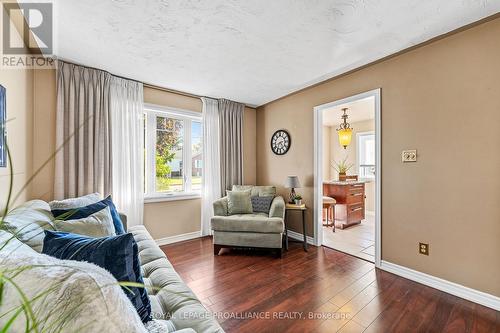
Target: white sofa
(171,299)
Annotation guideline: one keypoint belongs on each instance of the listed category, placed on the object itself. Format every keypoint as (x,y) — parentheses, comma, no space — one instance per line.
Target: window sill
(172,197)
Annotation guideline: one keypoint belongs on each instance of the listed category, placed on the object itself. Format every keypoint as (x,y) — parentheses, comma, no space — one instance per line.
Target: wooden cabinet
(350,197)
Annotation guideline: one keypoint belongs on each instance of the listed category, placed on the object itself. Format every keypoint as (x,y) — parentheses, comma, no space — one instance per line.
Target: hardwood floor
(322,290)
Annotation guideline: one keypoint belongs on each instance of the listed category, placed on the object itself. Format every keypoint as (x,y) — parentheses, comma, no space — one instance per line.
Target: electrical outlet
(423,248)
(409,156)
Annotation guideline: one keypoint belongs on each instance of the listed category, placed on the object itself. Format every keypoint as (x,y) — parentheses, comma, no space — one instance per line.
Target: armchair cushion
(261,191)
(259,223)
(277,208)
(220,207)
(239,202)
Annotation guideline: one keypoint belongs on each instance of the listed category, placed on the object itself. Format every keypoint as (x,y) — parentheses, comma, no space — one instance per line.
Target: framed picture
(3,134)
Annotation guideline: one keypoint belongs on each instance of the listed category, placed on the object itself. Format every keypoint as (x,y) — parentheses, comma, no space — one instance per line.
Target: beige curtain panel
(83,163)
(231,144)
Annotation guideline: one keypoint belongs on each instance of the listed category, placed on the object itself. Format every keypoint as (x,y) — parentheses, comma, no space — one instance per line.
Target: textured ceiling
(362,109)
(249,51)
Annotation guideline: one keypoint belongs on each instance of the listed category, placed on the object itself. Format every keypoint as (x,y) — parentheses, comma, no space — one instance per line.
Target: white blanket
(65,295)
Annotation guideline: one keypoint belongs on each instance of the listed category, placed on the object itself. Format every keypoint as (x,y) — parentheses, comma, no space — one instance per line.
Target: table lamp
(293,183)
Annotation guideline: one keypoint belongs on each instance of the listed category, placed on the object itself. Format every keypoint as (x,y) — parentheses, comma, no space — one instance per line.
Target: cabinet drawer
(355,213)
(356,187)
(355,197)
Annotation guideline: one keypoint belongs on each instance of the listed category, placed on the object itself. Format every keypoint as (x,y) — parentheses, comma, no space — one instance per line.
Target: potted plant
(298,200)
(342,167)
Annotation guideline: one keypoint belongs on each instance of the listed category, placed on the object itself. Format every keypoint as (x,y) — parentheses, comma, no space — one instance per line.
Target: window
(366,154)
(173,153)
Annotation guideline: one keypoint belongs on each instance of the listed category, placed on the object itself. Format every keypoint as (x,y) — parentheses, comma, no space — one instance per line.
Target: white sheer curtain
(127,137)
(211,161)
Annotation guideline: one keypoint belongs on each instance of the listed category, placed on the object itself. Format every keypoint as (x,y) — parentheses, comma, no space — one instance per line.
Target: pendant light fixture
(345,130)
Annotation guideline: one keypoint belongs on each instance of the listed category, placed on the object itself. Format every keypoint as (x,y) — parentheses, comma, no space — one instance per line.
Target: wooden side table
(296,208)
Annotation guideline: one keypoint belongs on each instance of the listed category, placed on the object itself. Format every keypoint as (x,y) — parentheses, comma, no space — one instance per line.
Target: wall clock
(280,142)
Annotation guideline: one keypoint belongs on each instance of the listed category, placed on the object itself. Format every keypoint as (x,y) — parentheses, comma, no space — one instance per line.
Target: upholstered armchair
(252,230)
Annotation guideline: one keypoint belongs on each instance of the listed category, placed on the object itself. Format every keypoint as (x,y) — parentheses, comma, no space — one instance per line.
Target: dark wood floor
(319,291)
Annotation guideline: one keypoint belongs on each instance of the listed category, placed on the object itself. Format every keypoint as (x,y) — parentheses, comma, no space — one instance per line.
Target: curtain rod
(178,92)
(95,68)
(173,91)
(148,85)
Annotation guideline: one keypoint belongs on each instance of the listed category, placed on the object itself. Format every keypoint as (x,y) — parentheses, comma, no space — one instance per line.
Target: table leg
(286,232)
(333,217)
(304,229)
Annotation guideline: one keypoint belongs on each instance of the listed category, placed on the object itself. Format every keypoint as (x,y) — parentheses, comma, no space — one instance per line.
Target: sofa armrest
(220,207)
(123,217)
(277,208)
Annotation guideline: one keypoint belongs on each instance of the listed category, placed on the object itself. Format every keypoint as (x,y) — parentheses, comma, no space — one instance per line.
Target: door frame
(318,168)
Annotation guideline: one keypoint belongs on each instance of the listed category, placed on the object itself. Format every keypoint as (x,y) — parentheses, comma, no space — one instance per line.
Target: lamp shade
(345,136)
(292,182)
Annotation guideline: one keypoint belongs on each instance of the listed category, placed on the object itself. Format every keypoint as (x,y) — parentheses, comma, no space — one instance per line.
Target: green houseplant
(342,167)
(298,200)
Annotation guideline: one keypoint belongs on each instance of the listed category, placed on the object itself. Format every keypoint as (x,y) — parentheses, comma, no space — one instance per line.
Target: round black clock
(280,142)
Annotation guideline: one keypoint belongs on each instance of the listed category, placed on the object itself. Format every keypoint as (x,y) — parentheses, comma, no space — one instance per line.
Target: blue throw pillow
(83,212)
(117,254)
(262,204)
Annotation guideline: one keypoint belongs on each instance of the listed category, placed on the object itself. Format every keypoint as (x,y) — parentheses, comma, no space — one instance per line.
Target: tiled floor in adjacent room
(358,240)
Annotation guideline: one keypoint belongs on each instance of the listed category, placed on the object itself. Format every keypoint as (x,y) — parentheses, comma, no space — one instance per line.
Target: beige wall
(19,86)
(442,99)
(327,152)
(44,134)
(19,102)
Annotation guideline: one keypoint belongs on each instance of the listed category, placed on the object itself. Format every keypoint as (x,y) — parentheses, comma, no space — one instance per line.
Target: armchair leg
(279,253)
(217,249)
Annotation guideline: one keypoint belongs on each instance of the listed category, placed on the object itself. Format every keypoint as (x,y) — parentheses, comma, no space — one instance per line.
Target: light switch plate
(409,156)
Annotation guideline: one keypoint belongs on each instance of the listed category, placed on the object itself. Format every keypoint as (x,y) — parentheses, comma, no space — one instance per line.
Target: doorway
(348,206)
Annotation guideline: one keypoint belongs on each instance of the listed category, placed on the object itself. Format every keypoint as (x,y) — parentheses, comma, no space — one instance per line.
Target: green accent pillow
(239,202)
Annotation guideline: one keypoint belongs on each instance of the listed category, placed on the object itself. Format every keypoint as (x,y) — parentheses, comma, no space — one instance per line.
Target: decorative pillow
(65,296)
(266,191)
(239,202)
(75,202)
(28,223)
(262,204)
(86,211)
(99,224)
(262,191)
(118,254)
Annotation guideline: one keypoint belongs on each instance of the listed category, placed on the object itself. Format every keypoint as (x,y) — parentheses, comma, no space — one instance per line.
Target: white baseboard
(467,293)
(178,238)
(300,237)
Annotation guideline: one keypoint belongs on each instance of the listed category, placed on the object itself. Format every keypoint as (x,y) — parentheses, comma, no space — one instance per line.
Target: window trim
(150,175)
(358,153)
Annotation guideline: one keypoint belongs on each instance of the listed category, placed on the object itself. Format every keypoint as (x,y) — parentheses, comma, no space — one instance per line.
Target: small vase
(298,202)
(342,177)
